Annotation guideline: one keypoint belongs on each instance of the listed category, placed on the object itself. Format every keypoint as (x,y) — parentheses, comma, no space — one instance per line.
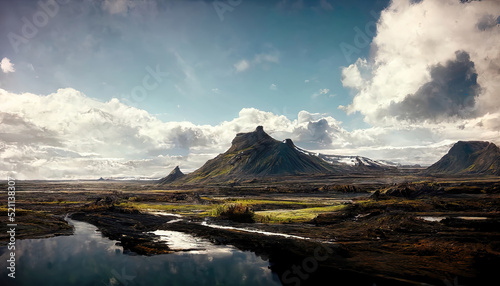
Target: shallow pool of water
(440,218)
(88,258)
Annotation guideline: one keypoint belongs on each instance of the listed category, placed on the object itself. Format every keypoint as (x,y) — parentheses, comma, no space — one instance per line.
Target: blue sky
(105,54)
(120,88)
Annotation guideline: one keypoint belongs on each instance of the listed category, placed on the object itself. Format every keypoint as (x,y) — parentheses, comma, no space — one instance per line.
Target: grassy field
(288,212)
(294,216)
(183,209)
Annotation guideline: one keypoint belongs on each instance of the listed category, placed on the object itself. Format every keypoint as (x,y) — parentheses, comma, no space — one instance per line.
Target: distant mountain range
(469,158)
(256,154)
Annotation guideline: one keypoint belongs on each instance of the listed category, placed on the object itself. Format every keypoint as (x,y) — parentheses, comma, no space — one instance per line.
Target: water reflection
(87,258)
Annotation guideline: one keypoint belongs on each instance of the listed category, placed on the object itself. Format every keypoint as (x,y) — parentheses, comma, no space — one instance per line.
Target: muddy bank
(32,224)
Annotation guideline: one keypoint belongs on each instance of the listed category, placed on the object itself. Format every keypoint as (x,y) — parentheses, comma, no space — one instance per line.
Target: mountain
(469,157)
(256,154)
(174,175)
(361,163)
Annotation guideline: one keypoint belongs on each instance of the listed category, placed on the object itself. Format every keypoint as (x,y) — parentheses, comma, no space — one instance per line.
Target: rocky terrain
(425,230)
(175,174)
(258,155)
(469,158)
(378,223)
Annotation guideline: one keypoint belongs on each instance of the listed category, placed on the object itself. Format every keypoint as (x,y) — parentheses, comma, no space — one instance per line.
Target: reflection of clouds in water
(238,268)
(86,258)
(61,249)
(181,241)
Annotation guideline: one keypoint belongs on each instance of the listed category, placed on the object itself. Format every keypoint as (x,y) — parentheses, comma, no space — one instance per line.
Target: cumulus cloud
(415,72)
(451,92)
(7,66)
(488,21)
(67,135)
(241,65)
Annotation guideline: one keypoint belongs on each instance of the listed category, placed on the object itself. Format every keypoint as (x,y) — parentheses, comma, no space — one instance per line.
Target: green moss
(295,216)
(62,202)
(231,155)
(233,211)
(272,202)
(173,208)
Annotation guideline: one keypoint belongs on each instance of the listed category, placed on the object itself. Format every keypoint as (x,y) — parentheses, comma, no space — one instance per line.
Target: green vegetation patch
(61,202)
(294,216)
(173,208)
(233,211)
(267,202)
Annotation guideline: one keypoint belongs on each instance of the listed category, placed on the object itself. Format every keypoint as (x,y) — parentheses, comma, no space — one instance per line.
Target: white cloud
(242,65)
(306,81)
(7,66)
(273,87)
(417,46)
(69,135)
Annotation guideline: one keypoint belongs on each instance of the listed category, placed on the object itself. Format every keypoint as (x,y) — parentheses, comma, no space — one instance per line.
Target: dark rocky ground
(379,238)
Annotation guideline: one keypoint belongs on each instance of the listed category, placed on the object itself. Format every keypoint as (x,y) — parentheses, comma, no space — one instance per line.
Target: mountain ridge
(256,154)
(469,158)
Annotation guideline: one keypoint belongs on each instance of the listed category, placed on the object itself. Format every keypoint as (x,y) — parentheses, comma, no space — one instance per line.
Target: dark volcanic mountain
(469,157)
(174,175)
(256,154)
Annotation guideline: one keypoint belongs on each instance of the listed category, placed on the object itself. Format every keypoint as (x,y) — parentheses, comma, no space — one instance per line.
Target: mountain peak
(288,142)
(256,154)
(469,157)
(176,170)
(175,174)
(249,139)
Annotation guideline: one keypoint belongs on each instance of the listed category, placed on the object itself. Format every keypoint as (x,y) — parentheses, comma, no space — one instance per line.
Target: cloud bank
(432,62)
(68,135)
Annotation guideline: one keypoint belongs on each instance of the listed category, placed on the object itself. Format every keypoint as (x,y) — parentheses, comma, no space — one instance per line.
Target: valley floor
(357,231)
